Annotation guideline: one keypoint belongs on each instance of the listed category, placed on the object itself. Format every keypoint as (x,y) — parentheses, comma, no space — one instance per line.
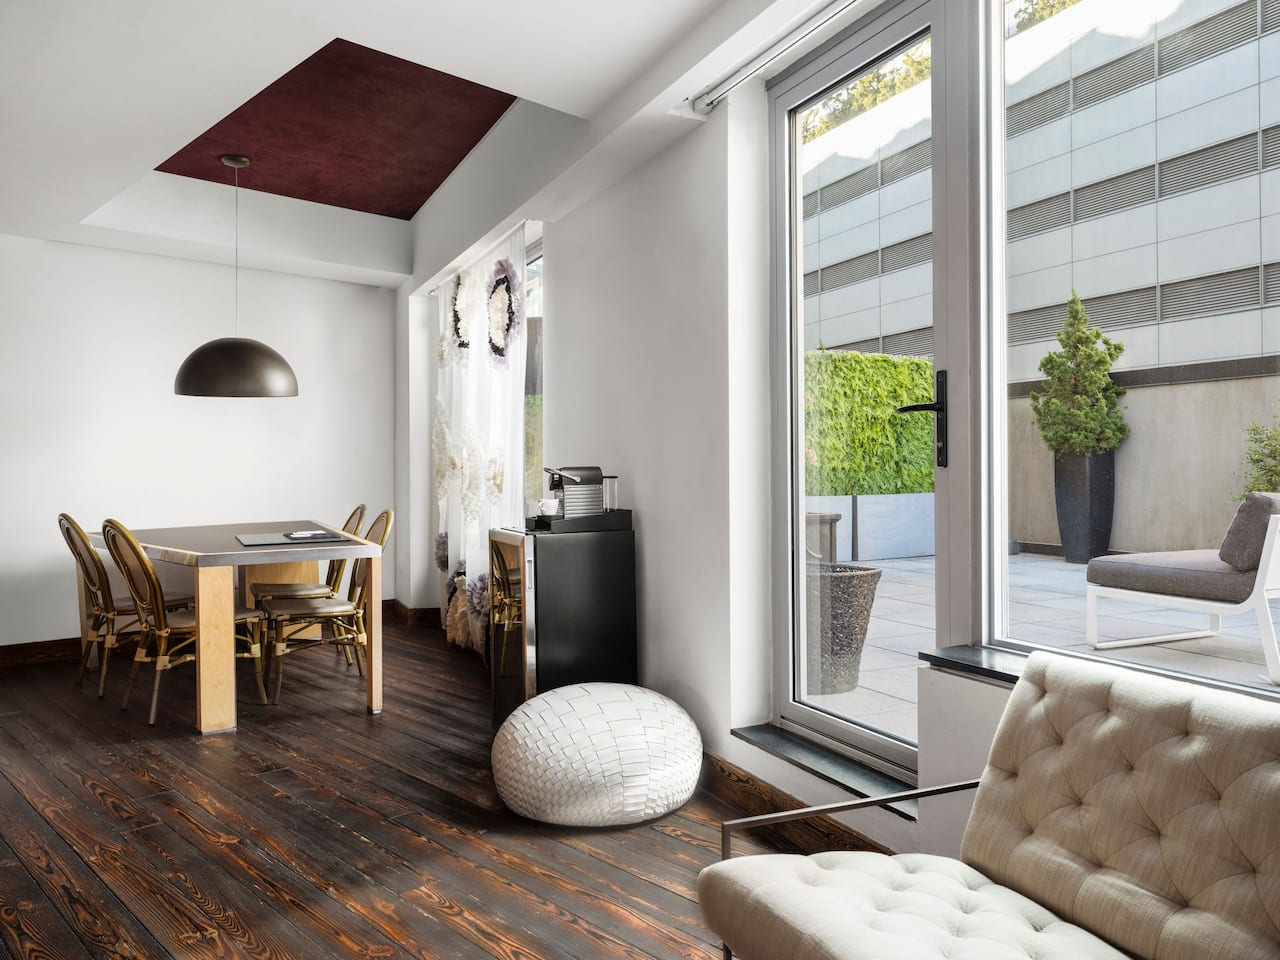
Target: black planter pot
(1084,488)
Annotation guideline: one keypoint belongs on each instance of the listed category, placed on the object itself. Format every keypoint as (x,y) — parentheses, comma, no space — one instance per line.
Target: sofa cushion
(1182,573)
(1242,546)
(868,906)
(1140,808)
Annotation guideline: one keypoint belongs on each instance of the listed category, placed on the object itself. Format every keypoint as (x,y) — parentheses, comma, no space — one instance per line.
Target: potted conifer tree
(1078,415)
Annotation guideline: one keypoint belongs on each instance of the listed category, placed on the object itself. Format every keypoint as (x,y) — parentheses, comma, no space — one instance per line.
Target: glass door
(861,375)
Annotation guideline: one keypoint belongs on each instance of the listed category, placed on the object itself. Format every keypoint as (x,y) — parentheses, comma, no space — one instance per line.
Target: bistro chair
(168,638)
(332,581)
(287,617)
(108,618)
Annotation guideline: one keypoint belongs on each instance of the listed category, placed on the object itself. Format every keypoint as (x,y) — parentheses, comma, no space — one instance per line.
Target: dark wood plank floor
(316,830)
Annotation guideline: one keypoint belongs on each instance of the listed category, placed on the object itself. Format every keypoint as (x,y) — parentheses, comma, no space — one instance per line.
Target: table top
(216,545)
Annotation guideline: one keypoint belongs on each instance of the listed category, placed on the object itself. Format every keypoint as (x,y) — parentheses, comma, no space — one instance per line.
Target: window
(1141,173)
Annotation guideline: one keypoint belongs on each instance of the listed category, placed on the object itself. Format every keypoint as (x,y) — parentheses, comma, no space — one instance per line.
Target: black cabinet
(562,610)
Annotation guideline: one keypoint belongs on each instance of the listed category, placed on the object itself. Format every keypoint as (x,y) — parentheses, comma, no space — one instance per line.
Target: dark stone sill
(859,779)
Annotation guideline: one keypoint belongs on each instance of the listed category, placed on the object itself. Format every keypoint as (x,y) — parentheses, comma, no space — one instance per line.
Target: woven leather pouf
(597,754)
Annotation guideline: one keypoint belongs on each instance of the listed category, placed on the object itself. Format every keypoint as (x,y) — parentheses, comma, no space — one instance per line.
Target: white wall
(636,380)
(89,423)
(657,368)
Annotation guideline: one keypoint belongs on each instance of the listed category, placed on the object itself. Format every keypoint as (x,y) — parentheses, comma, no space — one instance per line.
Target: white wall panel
(1104,42)
(1271,330)
(1024,360)
(1270,187)
(1122,230)
(1141,347)
(860,210)
(1183,214)
(1115,115)
(856,296)
(1213,251)
(1038,144)
(1211,338)
(906,223)
(1038,288)
(849,243)
(810,308)
(905,284)
(906,314)
(812,257)
(907,192)
(812,336)
(1207,80)
(1048,69)
(1269,58)
(1223,119)
(851,327)
(1269,233)
(844,163)
(1115,155)
(1038,181)
(1112,272)
(810,231)
(1269,101)
(1039,251)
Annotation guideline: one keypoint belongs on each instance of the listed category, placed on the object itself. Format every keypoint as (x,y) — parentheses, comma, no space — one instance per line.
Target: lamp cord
(237,250)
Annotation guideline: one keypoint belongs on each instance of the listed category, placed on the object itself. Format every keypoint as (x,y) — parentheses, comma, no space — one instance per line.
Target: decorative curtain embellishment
(495,477)
(442,459)
(471,470)
(457,341)
(506,309)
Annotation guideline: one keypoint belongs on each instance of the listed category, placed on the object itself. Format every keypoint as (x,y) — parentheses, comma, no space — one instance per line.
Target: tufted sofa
(1119,815)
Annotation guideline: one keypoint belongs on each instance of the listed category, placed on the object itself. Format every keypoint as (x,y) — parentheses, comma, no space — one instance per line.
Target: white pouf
(597,754)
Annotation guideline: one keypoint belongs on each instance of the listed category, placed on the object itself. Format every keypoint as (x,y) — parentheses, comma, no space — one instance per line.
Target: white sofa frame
(1266,587)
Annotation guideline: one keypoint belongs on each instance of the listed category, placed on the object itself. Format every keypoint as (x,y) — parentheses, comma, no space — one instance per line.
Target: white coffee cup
(549,507)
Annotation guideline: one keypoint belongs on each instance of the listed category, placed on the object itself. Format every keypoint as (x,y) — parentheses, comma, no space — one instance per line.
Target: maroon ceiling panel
(350,127)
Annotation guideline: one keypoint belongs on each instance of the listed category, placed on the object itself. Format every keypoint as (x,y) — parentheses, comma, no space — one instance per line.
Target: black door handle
(939,410)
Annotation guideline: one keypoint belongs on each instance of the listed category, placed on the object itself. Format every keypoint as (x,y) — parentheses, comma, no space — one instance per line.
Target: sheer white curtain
(477,441)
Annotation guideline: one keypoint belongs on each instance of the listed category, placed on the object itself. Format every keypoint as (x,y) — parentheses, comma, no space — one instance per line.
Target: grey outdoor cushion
(1242,546)
(1181,573)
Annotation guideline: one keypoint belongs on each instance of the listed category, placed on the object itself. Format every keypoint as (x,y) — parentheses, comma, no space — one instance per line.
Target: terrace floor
(1046,608)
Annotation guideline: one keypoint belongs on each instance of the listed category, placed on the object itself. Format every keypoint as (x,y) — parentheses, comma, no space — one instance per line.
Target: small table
(214,551)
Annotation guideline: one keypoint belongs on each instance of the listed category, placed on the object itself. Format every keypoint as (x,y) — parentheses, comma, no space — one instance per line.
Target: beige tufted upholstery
(1120,814)
(1145,810)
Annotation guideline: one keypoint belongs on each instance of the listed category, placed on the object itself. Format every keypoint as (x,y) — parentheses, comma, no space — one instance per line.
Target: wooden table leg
(216,648)
(373,630)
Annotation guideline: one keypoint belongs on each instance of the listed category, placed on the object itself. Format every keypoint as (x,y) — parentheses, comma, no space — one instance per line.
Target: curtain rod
(704,102)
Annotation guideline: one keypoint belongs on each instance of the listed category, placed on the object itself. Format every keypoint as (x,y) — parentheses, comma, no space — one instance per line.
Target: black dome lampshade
(235,366)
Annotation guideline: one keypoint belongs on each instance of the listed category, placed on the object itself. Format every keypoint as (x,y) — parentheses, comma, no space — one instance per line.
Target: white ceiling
(97,94)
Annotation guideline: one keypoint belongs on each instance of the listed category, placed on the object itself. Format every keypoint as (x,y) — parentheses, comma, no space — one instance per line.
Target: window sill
(990,663)
(835,768)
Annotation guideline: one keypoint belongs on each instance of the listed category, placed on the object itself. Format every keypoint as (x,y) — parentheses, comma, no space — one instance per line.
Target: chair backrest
(379,531)
(97,586)
(1141,808)
(333,579)
(139,574)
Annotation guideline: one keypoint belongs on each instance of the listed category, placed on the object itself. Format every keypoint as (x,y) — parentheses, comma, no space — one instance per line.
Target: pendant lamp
(235,366)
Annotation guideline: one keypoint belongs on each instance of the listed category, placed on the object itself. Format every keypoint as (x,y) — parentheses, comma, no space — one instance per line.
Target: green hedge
(854,441)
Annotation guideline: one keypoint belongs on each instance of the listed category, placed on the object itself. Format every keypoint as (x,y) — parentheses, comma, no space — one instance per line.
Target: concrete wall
(89,423)
(1175,475)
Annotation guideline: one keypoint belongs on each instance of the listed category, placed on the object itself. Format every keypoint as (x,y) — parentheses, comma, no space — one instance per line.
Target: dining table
(217,553)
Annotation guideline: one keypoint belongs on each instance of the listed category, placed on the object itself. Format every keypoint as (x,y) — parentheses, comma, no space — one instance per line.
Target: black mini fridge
(562,610)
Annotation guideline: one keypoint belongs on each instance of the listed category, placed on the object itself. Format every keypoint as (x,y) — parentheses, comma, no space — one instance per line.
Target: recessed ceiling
(349,127)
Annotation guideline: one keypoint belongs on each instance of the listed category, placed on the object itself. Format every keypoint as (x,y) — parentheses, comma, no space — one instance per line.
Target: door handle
(938,407)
